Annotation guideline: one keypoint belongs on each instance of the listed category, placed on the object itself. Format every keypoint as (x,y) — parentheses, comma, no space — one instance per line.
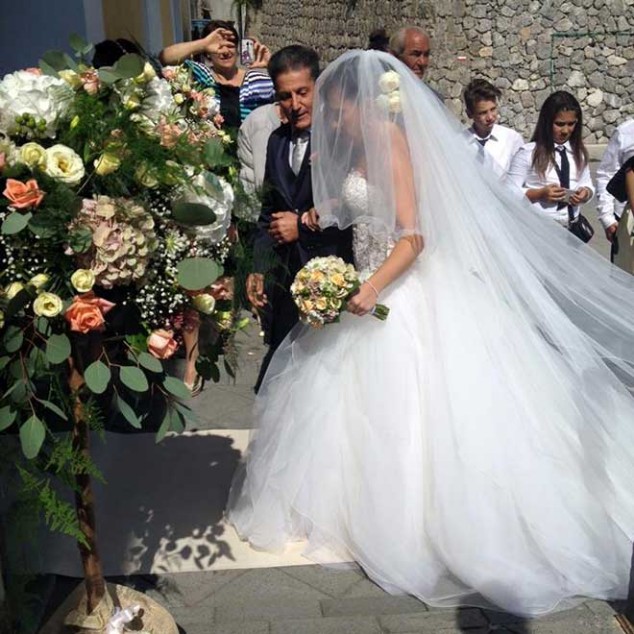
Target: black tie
(564,172)
(483,142)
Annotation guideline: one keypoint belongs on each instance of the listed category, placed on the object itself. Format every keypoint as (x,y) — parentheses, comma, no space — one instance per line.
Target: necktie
(298,152)
(482,142)
(564,172)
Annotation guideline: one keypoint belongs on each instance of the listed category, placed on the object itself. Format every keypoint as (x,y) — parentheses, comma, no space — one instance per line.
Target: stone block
(438,620)
(357,625)
(247,609)
(365,606)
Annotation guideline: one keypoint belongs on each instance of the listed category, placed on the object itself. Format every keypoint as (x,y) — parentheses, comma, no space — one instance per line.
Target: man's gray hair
(397,41)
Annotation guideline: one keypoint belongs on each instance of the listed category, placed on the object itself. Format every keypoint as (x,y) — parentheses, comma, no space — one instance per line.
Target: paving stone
(331,581)
(437,620)
(364,588)
(601,608)
(245,609)
(579,620)
(386,604)
(265,584)
(358,625)
(192,588)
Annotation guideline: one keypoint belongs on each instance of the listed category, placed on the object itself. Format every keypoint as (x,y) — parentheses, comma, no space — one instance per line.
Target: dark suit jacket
(283,191)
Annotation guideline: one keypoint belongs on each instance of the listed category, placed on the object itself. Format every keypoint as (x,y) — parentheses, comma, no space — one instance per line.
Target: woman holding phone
(552,170)
(215,55)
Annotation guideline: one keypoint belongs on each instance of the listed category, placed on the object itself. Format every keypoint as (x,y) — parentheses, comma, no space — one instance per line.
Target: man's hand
(283,228)
(553,193)
(255,290)
(581,196)
(610,232)
(261,55)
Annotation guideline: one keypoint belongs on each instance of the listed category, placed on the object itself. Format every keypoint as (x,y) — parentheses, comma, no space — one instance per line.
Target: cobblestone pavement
(314,599)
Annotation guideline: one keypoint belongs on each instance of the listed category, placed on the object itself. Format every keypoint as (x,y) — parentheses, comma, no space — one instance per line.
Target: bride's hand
(310,218)
(363,301)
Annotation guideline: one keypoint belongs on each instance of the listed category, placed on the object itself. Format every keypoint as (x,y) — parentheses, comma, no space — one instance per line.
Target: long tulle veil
(491,241)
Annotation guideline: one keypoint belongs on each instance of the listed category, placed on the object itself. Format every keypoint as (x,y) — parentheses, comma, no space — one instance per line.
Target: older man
(412,46)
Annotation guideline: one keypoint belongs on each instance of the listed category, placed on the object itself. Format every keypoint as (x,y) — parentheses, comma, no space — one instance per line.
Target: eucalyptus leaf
(70,62)
(164,428)
(176,387)
(58,348)
(54,408)
(187,413)
(214,154)
(194,274)
(7,416)
(3,362)
(177,422)
(79,44)
(134,378)
(32,434)
(43,326)
(12,339)
(129,66)
(149,362)
(55,59)
(47,69)
(15,222)
(19,391)
(97,376)
(128,413)
(193,214)
(108,75)
(43,226)
(80,240)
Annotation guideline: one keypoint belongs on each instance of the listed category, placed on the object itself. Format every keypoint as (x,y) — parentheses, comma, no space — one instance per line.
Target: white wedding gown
(452,456)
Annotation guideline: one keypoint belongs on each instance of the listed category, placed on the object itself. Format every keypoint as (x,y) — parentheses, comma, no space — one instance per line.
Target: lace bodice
(370,246)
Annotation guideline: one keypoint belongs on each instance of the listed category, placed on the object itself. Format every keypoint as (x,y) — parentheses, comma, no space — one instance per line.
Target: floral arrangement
(322,288)
(115,210)
(390,97)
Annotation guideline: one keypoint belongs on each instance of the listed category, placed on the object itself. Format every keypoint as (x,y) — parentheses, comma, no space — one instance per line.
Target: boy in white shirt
(496,141)
(620,147)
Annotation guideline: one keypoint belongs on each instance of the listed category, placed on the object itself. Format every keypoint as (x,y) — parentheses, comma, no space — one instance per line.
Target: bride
(477,447)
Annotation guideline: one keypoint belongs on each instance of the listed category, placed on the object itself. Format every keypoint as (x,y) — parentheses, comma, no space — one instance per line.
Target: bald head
(412,46)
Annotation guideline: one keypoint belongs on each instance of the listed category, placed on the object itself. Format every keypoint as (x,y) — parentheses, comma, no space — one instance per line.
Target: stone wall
(527,48)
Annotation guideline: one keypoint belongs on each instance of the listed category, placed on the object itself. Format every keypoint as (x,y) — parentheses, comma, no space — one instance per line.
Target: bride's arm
(407,249)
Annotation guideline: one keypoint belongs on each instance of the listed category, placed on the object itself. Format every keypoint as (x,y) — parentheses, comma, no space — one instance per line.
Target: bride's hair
(543,156)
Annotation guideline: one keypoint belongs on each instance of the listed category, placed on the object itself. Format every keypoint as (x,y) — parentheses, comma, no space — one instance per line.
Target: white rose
(39,281)
(47,305)
(13,289)
(33,155)
(205,303)
(145,175)
(64,164)
(394,102)
(389,81)
(83,280)
(147,75)
(106,164)
(71,78)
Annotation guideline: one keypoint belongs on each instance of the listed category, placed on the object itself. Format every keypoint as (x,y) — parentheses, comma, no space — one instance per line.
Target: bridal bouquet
(322,288)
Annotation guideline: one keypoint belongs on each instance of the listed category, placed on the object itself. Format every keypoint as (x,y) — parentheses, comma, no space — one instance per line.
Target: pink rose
(161,344)
(91,82)
(33,71)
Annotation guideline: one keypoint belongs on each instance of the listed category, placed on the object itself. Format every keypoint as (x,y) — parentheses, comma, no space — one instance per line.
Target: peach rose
(86,313)
(33,70)
(23,195)
(161,344)
(90,80)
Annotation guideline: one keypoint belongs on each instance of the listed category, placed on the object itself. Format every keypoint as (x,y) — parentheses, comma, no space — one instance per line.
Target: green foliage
(16,222)
(97,377)
(194,274)
(58,348)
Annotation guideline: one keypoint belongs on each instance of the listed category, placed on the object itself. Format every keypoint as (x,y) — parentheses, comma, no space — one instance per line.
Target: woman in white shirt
(552,170)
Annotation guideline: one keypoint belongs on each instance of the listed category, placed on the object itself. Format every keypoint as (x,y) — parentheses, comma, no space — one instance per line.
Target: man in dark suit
(284,244)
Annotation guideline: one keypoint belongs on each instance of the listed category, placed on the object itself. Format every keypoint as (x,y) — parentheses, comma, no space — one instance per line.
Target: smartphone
(569,193)
(246,52)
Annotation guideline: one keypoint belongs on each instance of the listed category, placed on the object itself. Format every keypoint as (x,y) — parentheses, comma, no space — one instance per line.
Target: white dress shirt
(501,146)
(299,141)
(620,149)
(522,174)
